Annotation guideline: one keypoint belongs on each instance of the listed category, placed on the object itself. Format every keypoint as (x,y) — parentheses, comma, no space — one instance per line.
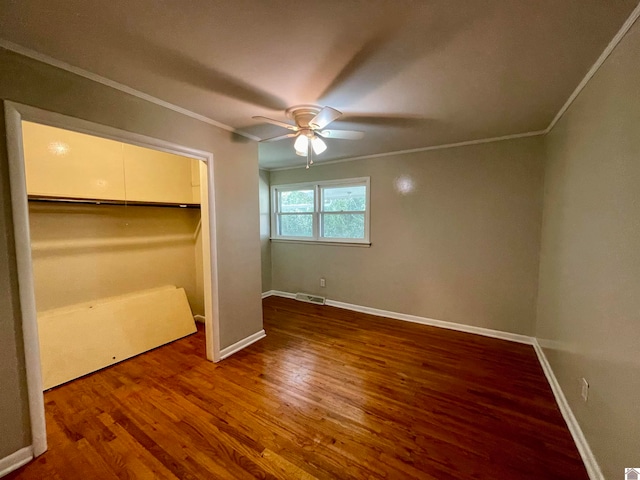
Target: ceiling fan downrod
(309,156)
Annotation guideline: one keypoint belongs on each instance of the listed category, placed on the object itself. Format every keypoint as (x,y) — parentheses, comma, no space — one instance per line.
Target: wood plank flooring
(327,394)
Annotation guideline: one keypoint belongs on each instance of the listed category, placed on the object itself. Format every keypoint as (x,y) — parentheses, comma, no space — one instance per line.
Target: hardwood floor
(327,394)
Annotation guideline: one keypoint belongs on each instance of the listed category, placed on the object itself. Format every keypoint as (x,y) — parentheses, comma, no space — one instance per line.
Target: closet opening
(115,245)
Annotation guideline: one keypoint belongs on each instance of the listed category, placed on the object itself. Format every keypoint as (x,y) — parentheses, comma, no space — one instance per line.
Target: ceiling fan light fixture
(301,145)
(309,129)
(318,145)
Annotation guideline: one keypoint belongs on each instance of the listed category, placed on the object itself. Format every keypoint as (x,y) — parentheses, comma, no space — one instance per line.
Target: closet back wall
(85,252)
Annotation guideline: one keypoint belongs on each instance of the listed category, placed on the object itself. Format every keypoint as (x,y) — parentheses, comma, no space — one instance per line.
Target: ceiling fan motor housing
(302,115)
(308,131)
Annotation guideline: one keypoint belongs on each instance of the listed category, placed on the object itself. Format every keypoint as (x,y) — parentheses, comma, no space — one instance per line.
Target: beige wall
(265,230)
(462,246)
(589,301)
(26,81)
(87,252)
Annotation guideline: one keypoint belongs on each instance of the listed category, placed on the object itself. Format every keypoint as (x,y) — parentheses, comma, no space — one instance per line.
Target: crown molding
(421,149)
(626,26)
(633,17)
(40,57)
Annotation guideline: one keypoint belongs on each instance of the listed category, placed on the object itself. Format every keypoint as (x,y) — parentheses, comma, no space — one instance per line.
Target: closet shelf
(94,201)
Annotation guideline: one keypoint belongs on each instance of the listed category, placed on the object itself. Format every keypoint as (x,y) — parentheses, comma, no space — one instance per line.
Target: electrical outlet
(323,282)
(585,389)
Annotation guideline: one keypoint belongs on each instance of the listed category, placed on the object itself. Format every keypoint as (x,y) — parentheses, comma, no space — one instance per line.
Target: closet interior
(116,248)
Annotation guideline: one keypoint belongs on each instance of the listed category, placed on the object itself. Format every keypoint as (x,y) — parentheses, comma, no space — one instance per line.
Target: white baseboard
(590,463)
(588,458)
(487,332)
(15,460)
(245,342)
(278,293)
(199,318)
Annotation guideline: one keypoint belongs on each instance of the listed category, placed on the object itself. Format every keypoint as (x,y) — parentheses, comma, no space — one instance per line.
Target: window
(334,211)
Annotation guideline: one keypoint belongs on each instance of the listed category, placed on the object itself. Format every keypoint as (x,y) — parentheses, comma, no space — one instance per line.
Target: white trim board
(278,293)
(41,57)
(26,289)
(635,14)
(421,149)
(27,52)
(596,66)
(588,458)
(16,460)
(14,114)
(245,342)
(487,332)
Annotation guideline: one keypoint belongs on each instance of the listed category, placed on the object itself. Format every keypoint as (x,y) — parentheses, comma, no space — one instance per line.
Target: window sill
(318,242)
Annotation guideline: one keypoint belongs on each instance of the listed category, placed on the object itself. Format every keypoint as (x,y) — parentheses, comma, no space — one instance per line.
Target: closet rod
(93,201)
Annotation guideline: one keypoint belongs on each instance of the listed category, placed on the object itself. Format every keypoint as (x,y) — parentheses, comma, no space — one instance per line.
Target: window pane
(296,201)
(347,199)
(296,225)
(343,225)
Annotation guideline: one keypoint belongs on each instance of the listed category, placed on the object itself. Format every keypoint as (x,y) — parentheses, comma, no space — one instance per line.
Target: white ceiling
(409,73)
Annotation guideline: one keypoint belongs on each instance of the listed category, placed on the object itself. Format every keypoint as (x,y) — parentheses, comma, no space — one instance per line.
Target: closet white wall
(86,252)
(83,252)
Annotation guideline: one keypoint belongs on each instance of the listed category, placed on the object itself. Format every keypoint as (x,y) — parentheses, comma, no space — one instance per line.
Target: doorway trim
(15,113)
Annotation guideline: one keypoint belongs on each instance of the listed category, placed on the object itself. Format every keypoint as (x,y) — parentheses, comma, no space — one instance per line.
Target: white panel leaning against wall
(113,226)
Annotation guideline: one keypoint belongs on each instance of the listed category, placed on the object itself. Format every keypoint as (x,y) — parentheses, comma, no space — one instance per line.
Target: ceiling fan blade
(324,117)
(277,122)
(342,134)
(279,137)
(181,66)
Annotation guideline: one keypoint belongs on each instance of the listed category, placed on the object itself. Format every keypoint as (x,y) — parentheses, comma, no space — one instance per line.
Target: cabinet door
(153,176)
(195,181)
(61,163)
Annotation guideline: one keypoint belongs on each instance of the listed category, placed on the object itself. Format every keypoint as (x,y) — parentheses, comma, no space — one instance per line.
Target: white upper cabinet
(69,164)
(158,177)
(65,164)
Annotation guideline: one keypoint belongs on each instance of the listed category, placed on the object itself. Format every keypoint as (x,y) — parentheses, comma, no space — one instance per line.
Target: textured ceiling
(408,73)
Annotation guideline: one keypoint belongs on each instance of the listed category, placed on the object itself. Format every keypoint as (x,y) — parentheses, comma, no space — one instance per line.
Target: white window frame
(317,210)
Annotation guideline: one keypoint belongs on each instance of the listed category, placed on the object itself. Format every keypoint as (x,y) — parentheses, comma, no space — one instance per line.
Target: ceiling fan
(309,129)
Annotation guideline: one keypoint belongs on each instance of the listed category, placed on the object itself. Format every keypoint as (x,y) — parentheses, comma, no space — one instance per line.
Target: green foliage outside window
(344,199)
(343,225)
(296,225)
(339,217)
(297,201)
